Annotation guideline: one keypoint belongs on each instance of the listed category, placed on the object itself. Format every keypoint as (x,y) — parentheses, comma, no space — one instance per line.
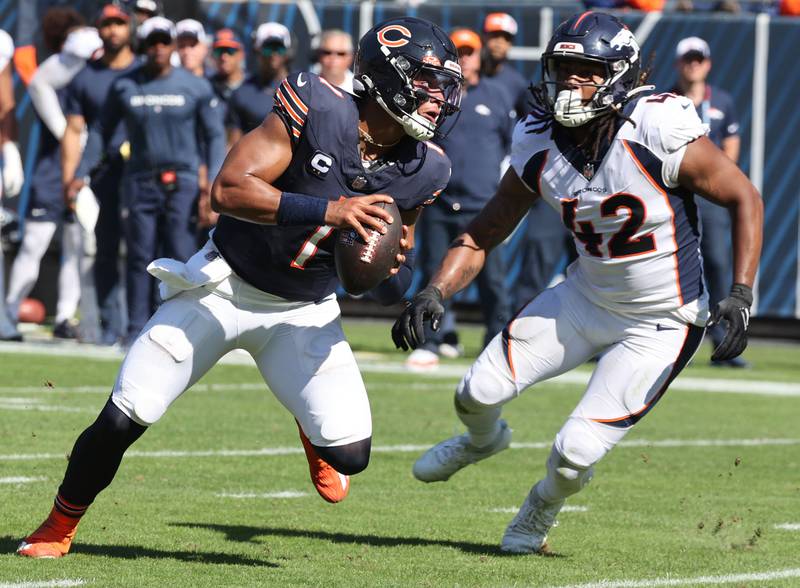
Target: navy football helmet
(596,38)
(403,62)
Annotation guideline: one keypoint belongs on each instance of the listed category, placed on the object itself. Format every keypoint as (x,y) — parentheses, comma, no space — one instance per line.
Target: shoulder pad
(664,123)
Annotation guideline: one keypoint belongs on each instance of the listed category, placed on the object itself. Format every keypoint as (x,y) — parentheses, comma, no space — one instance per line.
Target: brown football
(362,266)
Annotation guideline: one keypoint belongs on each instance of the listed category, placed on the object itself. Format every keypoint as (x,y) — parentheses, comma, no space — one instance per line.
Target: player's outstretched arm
(464,259)
(709,172)
(244,188)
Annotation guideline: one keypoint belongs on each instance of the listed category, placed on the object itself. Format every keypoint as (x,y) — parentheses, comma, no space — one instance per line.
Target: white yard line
(44,408)
(565,508)
(21,480)
(368,364)
(698,581)
(275,451)
(282,494)
(45,584)
(788,526)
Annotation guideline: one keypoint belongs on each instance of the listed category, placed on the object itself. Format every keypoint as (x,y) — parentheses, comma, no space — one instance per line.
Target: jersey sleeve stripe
(294,97)
(288,108)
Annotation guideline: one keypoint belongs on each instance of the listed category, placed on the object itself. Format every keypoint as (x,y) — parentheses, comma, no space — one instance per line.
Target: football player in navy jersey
(321,160)
(621,168)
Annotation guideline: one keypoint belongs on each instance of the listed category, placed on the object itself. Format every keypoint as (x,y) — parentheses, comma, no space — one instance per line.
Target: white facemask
(570,111)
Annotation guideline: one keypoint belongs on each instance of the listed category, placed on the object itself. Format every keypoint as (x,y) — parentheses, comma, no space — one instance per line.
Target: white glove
(13,175)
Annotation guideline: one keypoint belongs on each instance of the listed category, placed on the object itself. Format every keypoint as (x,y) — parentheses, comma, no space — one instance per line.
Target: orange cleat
(330,484)
(52,539)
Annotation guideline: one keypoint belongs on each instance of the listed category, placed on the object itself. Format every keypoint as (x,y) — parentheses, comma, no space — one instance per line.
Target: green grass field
(700,490)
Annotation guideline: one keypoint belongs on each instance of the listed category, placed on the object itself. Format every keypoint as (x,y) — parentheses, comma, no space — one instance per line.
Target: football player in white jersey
(621,167)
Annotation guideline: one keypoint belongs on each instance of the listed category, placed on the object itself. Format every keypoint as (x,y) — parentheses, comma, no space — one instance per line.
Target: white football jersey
(635,228)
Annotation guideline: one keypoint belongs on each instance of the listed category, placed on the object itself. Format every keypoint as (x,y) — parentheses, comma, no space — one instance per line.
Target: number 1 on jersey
(310,247)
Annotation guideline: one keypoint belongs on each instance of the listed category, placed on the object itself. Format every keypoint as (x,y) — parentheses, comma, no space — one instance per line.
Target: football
(362,266)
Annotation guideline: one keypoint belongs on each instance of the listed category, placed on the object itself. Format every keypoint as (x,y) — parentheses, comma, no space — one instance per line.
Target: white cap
(692,44)
(156,24)
(272,31)
(150,6)
(189,27)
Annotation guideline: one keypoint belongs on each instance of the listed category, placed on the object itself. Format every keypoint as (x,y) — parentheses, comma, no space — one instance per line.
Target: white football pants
(299,348)
(561,329)
(25,270)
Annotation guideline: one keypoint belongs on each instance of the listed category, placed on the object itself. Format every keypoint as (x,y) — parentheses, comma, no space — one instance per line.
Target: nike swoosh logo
(685,106)
(660,327)
(300,82)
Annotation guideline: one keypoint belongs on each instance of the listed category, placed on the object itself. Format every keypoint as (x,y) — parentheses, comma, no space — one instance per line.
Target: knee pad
(347,459)
(478,391)
(580,442)
(566,477)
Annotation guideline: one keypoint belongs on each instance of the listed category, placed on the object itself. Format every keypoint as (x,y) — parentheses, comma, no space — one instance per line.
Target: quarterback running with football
(322,159)
(620,166)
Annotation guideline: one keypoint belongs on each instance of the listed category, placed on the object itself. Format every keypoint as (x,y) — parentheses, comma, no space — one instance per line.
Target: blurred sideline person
(622,172)
(499,31)
(335,58)
(228,55)
(12,173)
(192,46)
(85,96)
(266,281)
(486,119)
(72,44)
(250,102)
(715,109)
(165,110)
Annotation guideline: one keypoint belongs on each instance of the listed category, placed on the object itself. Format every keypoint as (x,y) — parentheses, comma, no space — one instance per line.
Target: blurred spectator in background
(499,30)
(476,144)
(252,101)
(72,44)
(144,9)
(228,54)
(790,7)
(165,109)
(12,173)
(335,58)
(85,97)
(715,109)
(192,46)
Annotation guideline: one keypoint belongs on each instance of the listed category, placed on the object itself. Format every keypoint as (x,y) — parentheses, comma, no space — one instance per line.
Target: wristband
(742,292)
(301,209)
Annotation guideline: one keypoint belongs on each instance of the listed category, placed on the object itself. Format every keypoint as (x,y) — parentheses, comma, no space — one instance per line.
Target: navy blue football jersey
(297,262)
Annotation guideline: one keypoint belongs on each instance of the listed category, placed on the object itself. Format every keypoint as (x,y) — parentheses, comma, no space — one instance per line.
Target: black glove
(735,310)
(408,330)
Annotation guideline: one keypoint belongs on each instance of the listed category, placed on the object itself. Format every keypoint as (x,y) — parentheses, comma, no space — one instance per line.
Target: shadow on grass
(248,533)
(9,545)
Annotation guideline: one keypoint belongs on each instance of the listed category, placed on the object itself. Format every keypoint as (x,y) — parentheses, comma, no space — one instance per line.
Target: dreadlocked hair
(601,129)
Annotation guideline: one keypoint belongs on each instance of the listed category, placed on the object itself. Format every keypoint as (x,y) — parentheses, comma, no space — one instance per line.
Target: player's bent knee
(580,443)
(115,426)
(479,390)
(347,459)
(563,478)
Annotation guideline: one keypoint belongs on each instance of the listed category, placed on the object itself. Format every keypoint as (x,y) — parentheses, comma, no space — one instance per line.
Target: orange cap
(110,11)
(466,38)
(500,22)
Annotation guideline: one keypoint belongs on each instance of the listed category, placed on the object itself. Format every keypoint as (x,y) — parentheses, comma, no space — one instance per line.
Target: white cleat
(444,459)
(527,532)
(422,360)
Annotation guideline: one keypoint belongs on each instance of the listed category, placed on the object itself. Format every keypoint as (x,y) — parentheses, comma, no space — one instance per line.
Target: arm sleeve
(100,133)
(55,73)
(291,103)
(209,117)
(6,49)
